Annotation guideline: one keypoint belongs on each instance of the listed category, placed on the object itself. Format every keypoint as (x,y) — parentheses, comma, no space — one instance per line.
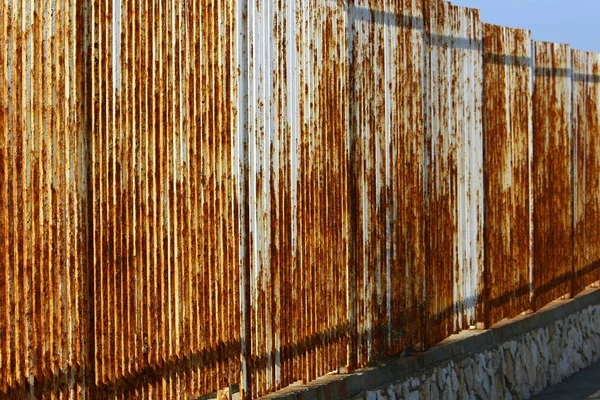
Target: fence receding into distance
(198,194)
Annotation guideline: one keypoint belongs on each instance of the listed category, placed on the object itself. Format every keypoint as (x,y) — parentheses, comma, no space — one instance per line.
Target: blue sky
(576,22)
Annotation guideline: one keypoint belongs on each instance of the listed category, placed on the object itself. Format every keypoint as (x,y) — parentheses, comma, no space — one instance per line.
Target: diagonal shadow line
(387,18)
(229,352)
(365,14)
(587,78)
(508,60)
(546,72)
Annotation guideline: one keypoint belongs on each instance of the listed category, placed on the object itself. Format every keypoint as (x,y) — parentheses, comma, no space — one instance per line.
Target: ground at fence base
(567,329)
(583,385)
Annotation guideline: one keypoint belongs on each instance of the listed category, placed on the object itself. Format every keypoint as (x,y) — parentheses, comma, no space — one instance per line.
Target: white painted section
(293,79)
(116,43)
(390,35)
(240,161)
(470,207)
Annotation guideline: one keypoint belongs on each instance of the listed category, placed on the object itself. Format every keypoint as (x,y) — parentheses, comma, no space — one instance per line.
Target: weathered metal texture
(43,201)
(165,210)
(586,167)
(454,166)
(508,136)
(552,177)
(387,186)
(297,157)
(263,192)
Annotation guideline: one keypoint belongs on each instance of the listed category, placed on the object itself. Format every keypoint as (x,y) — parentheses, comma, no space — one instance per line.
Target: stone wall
(515,359)
(516,369)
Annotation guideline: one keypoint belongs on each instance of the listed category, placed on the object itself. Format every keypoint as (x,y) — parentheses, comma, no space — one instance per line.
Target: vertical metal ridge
(4,229)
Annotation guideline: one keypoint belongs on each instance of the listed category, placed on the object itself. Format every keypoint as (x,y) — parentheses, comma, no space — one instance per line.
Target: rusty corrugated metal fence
(165,202)
(507,169)
(453,163)
(552,173)
(198,194)
(386,130)
(296,160)
(586,167)
(44,191)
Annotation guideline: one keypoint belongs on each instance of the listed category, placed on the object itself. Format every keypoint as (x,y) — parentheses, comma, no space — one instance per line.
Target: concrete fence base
(515,359)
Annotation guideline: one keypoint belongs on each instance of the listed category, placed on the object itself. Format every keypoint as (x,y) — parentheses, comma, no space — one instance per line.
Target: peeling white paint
(116,43)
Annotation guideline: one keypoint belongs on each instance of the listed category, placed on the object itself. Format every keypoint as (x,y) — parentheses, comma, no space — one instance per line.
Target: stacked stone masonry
(517,369)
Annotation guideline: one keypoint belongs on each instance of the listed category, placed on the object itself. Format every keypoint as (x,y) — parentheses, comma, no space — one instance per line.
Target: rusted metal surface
(454,164)
(508,136)
(387,186)
(586,167)
(297,192)
(202,193)
(165,211)
(552,175)
(43,201)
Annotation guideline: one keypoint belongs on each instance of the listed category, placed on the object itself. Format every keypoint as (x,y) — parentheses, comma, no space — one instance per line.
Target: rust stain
(508,73)
(198,194)
(387,187)
(43,217)
(166,274)
(586,163)
(552,174)
(454,191)
(297,193)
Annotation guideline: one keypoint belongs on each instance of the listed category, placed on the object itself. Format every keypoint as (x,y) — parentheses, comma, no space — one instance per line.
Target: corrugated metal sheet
(203,193)
(43,201)
(508,77)
(165,211)
(454,164)
(552,177)
(387,186)
(297,192)
(586,167)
